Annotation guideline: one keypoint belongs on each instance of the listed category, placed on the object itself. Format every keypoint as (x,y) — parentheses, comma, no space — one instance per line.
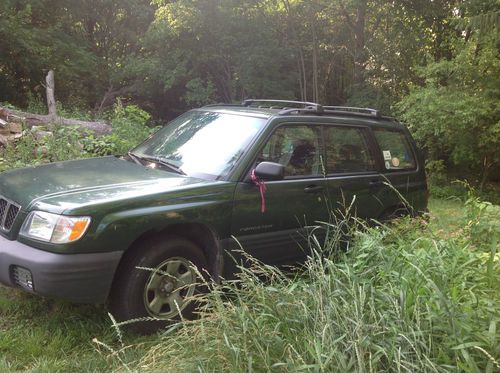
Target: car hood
(64,185)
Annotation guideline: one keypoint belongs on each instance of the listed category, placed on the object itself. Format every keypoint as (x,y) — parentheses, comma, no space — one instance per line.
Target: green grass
(42,335)
(447,216)
(413,297)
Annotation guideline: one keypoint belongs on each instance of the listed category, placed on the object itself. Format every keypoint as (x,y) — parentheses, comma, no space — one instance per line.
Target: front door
(280,233)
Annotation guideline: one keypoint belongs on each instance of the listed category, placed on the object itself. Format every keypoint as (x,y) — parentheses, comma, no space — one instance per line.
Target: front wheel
(156,283)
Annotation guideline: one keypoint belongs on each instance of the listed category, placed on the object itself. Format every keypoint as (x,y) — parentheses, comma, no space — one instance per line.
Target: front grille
(3,205)
(8,213)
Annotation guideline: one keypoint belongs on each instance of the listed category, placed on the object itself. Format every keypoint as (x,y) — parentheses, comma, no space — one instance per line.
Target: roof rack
(305,107)
(354,110)
(282,104)
(221,104)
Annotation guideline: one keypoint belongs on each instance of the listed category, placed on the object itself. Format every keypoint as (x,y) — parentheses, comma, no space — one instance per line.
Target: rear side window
(395,148)
(347,151)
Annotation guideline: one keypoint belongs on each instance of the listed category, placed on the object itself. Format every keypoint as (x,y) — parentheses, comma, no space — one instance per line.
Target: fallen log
(31,119)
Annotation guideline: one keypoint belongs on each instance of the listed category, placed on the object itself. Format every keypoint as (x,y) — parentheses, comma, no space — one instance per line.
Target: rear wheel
(158,280)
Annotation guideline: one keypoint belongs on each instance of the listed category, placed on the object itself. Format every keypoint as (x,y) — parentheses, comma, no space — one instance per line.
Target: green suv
(127,229)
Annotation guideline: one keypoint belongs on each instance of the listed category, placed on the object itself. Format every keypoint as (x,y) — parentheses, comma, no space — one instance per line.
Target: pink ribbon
(262,189)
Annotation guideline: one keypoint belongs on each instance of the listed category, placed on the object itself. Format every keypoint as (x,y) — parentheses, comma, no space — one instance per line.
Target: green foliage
(455,116)
(400,299)
(198,93)
(85,43)
(59,143)
(483,221)
(410,297)
(436,171)
(129,128)
(47,336)
(440,184)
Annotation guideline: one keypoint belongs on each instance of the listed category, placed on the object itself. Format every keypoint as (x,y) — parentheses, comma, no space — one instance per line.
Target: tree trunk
(30,119)
(359,44)
(315,62)
(51,101)
(303,75)
(484,177)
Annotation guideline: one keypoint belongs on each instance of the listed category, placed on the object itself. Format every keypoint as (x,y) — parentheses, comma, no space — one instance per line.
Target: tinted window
(347,151)
(297,148)
(396,150)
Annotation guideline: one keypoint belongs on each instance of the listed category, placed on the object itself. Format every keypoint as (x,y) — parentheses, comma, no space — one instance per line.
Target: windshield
(202,143)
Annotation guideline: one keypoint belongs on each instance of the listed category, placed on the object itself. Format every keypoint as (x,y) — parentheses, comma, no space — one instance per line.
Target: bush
(129,127)
(65,143)
(483,220)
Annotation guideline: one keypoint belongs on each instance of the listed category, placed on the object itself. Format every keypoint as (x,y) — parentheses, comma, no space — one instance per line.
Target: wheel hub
(167,287)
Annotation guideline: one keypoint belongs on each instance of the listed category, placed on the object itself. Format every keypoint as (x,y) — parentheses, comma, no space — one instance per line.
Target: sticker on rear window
(387,155)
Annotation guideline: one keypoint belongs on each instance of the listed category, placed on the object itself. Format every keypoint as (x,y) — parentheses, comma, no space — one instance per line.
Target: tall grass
(399,299)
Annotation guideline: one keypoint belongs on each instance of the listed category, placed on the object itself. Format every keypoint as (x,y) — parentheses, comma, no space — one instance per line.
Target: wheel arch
(200,234)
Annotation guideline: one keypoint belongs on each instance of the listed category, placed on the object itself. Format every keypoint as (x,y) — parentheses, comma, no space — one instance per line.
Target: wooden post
(51,101)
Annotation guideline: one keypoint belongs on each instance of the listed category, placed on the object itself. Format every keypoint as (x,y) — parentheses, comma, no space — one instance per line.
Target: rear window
(395,148)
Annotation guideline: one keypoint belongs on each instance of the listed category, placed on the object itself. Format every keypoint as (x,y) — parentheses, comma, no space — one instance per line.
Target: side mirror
(270,171)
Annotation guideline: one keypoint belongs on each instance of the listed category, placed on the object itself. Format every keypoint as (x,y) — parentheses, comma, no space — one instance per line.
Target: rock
(41,151)
(38,128)
(14,137)
(15,127)
(3,140)
(41,135)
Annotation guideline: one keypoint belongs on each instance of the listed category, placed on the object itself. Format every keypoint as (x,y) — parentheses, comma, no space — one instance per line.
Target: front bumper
(82,278)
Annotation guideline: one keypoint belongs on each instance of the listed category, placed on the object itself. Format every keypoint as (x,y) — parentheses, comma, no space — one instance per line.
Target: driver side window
(298,148)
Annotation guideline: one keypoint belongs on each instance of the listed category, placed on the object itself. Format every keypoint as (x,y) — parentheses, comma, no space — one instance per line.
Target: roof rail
(283,104)
(354,110)
(221,104)
(305,110)
(305,107)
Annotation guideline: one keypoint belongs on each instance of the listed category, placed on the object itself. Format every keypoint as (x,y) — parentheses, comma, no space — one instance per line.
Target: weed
(399,299)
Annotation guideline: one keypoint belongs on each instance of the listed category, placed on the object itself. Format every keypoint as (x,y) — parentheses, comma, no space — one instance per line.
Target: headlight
(54,228)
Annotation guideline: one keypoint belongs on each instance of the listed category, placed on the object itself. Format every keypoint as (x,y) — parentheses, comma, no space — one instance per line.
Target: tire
(156,280)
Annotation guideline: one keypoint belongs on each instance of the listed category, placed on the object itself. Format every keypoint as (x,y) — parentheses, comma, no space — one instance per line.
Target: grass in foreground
(409,298)
(401,299)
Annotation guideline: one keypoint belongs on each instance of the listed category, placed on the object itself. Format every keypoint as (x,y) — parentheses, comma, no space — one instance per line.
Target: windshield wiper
(135,158)
(163,162)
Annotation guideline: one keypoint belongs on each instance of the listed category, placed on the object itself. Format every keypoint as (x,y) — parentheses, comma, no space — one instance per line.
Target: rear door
(353,179)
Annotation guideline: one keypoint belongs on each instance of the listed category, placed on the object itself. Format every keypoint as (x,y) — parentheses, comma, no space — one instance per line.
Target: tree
(455,115)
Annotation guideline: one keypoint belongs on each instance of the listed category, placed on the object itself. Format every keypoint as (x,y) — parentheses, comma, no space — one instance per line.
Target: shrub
(482,220)
(129,128)
(65,143)
(62,144)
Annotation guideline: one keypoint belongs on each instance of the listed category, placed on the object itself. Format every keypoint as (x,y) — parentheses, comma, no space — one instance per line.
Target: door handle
(313,189)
